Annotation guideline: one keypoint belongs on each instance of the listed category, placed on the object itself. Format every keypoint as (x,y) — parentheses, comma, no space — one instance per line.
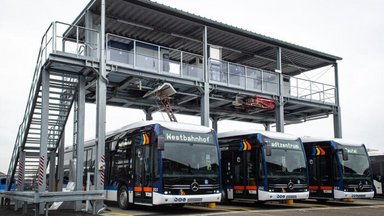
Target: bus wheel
(122,197)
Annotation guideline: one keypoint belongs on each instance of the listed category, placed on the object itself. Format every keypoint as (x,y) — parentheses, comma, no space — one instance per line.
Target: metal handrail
(23,125)
(46,39)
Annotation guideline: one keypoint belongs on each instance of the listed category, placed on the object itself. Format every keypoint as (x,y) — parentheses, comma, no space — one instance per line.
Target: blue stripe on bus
(130,188)
(314,151)
(241,146)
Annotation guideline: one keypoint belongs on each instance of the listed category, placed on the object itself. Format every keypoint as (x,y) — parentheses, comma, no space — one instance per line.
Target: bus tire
(122,197)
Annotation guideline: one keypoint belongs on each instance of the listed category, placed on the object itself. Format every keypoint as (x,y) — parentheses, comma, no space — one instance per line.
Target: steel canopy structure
(115,52)
(168,27)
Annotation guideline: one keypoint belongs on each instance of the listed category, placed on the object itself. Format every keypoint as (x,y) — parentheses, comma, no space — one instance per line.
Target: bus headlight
(167,192)
(216,191)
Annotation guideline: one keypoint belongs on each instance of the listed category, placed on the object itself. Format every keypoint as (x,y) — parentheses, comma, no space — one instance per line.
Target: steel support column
(80,124)
(43,136)
(60,164)
(52,171)
(204,109)
(90,36)
(148,115)
(267,126)
(20,178)
(280,99)
(215,125)
(101,103)
(337,129)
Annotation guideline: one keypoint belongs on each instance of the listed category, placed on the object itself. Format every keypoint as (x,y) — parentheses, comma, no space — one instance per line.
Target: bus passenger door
(245,182)
(239,182)
(321,172)
(250,174)
(143,175)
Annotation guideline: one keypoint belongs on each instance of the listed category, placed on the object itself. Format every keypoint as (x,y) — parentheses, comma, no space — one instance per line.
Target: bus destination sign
(182,136)
(275,144)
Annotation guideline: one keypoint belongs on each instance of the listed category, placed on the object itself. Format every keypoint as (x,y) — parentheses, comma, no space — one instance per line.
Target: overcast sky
(351,29)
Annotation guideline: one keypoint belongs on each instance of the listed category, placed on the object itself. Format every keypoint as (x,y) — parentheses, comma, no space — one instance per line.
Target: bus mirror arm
(344,153)
(268,150)
(160,142)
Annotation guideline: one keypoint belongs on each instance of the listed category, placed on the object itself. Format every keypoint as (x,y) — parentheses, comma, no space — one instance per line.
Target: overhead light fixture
(135,24)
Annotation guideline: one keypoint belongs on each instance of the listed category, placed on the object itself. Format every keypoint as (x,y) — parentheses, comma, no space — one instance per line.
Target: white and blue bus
(338,169)
(160,163)
(377,163)
(263,166)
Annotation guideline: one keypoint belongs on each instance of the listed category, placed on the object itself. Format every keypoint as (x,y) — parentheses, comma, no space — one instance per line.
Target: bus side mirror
(160,142)
(268,150)
(344,154)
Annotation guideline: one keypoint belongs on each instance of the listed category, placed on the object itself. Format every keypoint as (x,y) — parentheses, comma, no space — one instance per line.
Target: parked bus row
(157,163)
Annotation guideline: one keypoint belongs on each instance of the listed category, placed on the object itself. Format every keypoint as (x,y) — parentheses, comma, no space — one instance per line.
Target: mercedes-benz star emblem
(360,186)
(290,185)
(194,186)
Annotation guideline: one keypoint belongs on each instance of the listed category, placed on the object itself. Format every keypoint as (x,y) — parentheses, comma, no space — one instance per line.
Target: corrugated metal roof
(163,25)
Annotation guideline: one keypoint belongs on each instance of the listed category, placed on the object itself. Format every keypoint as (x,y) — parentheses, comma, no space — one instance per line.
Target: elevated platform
(131,75)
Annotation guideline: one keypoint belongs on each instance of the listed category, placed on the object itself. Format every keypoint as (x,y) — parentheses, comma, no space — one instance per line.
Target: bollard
(289,201)
(211,205)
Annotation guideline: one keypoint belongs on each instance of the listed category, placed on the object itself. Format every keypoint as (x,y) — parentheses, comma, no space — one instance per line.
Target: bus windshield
(190,160)
(357,164)
(286,159)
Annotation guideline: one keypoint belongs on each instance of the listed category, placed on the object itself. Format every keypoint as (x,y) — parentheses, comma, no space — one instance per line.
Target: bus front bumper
(265,195)
(354,195)
(161,199)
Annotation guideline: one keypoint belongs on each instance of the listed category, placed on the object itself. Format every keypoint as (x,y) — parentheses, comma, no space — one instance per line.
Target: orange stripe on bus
(325,187)
(137,189)
(238,187)
(147,189)
(251,187)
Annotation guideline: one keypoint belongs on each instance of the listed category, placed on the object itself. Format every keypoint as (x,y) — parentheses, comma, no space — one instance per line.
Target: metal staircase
(62,89)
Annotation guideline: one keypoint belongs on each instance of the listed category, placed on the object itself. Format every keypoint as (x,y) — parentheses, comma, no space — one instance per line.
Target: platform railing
(153,58)
(309,90)
(164,60)
(243,77)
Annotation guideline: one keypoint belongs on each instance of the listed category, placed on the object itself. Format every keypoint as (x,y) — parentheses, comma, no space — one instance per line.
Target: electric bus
(377,163)
(263,166)
(160,163)
(338,169)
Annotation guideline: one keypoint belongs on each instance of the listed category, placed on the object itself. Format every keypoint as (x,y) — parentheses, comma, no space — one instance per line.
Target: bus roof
(177,126)
(336,140)
(269,134)
(378,153)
